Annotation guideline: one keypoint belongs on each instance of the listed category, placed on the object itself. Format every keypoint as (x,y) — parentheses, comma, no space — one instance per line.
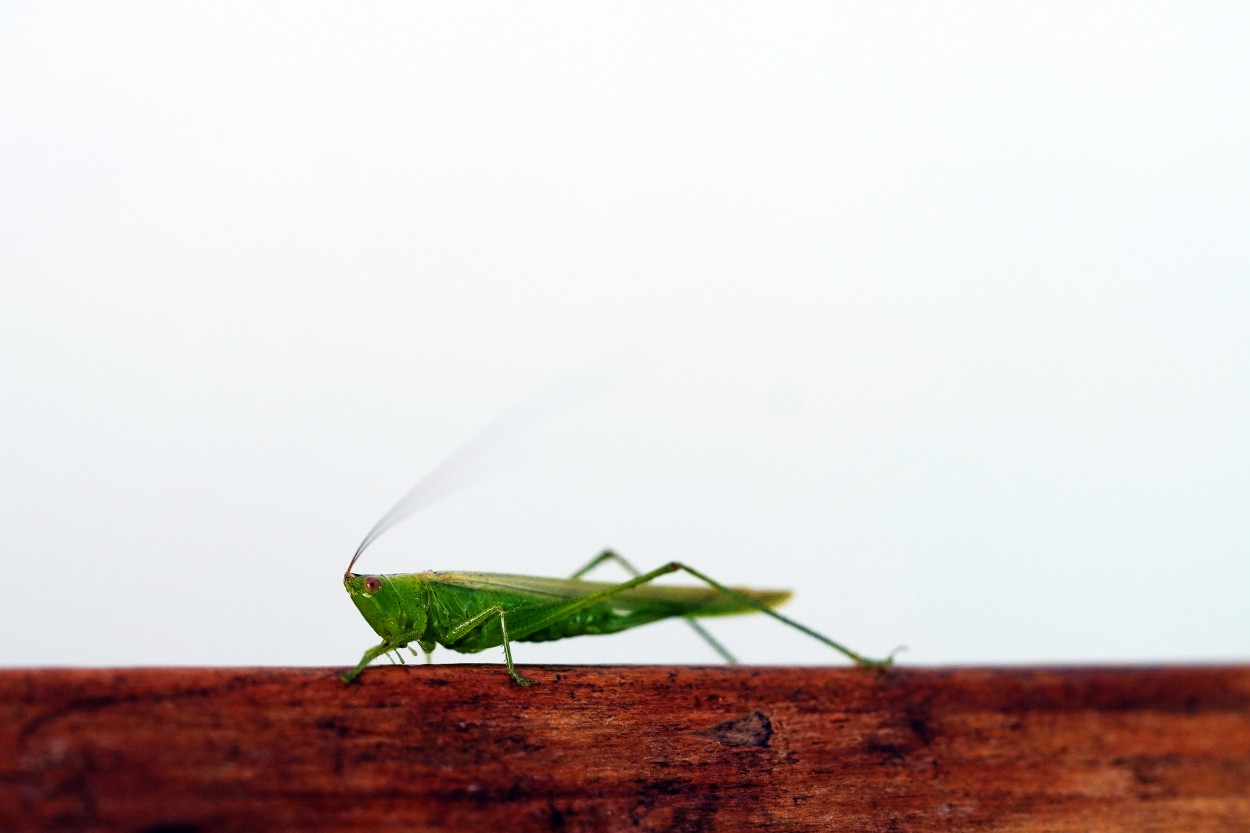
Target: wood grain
(459,747)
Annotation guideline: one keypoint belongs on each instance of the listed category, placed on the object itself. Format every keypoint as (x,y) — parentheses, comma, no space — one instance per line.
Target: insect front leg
(429,653)
(376,651)
(609,555)
(486,615)
(370,655)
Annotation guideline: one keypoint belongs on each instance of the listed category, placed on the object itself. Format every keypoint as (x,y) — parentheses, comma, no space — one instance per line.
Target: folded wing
(705,601)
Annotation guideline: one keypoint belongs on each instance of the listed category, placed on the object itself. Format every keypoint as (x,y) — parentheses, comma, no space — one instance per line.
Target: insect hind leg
(859,659)
(603,558)
(609,555)
(742,598)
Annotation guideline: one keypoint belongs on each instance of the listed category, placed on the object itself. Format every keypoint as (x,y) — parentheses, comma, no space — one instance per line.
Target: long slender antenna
(453,472)
(447,477)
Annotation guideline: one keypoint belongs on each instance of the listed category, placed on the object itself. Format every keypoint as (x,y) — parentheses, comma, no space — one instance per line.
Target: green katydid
(469,612)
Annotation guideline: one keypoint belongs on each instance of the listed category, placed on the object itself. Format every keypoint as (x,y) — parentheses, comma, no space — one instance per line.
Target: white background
(935,313)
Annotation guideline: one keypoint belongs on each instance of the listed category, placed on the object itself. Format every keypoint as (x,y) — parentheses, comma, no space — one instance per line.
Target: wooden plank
(459,747)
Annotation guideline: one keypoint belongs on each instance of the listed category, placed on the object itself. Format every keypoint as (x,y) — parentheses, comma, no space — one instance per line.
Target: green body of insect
(469,612)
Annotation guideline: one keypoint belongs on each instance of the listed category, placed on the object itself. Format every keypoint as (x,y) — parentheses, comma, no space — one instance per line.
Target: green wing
(705,601)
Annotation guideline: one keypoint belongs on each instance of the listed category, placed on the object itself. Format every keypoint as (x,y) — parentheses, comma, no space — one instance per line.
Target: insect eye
(372,585)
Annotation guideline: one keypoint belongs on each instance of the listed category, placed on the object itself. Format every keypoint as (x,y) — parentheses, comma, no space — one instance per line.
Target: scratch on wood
(754,729)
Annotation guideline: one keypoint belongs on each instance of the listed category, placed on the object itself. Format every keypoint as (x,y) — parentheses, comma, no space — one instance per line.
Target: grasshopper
(470,612)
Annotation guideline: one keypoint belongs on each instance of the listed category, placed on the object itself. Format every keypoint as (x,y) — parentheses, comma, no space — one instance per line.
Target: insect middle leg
(609,555)
(477,621)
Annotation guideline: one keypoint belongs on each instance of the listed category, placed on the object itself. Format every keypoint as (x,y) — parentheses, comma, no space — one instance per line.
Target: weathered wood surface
(626,748)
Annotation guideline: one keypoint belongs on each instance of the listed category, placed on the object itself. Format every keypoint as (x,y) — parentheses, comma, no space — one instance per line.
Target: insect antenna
(447,477)
(480,454)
